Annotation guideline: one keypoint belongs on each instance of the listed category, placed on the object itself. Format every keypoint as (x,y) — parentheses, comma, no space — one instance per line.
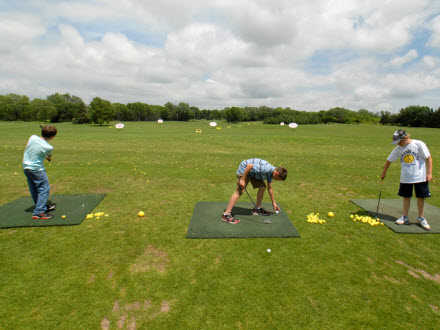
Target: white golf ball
(268,250)
(277,211)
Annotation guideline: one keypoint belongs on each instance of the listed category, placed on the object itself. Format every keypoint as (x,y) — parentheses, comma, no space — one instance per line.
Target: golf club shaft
(255,205)
(378,203)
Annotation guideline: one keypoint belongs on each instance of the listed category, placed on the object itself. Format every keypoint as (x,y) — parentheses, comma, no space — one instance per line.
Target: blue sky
(306,55)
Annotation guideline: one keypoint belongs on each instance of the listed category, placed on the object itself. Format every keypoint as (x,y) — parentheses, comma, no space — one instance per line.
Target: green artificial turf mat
(206,222)
(391,209)
(18,213)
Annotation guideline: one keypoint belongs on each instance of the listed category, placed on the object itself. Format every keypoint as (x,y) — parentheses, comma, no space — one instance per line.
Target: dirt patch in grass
(391,279)
(105,324)
(415,272)
(410,272)
(127,316)
(165,307)
(91,279)
(151,259)
(116,307)
(135,306)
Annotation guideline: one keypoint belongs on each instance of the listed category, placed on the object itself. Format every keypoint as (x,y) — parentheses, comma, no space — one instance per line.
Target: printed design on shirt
(408,157)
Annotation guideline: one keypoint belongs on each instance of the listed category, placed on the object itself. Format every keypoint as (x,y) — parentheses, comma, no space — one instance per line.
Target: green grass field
(123,271)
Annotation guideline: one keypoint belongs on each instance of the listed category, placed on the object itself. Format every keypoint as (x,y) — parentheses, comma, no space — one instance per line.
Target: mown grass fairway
(125,271)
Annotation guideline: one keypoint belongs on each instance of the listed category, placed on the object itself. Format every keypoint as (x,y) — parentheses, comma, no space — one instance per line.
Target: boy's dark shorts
(255,183)
(421,188)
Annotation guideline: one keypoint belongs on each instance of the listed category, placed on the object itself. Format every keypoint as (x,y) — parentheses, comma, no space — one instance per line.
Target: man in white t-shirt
(415,174)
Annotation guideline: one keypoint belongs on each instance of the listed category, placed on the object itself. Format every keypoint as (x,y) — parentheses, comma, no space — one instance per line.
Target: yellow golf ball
(63,217)
(141,213)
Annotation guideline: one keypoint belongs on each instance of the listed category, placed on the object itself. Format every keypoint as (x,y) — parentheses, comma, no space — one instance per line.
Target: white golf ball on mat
(268,250)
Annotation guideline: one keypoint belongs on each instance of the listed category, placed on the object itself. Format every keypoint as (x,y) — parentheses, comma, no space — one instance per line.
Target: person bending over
(257,171)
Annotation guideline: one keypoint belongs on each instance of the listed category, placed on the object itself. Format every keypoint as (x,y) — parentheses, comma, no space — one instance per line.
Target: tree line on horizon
(69,108)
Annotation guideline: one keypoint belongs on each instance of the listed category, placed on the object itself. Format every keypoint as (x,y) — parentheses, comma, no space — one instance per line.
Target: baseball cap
(398,135)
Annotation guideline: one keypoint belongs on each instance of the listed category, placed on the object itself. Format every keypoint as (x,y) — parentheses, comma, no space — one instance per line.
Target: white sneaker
(403,220)
(422,222)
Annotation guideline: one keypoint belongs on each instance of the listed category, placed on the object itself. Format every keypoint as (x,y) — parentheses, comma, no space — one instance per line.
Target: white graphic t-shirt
(412,158)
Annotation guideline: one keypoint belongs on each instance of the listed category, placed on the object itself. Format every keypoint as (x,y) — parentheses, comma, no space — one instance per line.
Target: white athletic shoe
(403,220)
(423,223)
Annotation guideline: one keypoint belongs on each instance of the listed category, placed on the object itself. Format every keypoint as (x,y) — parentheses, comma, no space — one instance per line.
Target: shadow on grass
(237,210)
(379,215)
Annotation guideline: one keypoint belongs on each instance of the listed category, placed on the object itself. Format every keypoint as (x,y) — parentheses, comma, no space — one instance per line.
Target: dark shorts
(421,188)
(255,183)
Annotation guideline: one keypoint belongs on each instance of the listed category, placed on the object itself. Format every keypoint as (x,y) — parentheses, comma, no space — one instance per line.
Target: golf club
(255,205)
(250,198)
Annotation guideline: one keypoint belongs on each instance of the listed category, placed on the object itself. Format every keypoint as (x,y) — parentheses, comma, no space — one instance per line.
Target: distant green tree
(15,107)
(2,107)
(196,111)
(387,118)
(416,116)
(234,114)
(67,106)
(436,118)
(101,111)
(171,111)
(184,112)
(81,114)
(43,109)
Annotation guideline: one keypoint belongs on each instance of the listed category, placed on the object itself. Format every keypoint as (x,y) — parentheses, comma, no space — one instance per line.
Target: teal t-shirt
(37,149)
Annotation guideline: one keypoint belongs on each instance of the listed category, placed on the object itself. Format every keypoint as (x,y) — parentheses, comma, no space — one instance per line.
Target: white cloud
(224,53)
(431,61)
(18,29)
(408,57)
(434,41)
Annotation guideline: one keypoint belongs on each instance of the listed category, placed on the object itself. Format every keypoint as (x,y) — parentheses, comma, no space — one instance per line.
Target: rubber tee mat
(206,222)
(391,209)
(70,210)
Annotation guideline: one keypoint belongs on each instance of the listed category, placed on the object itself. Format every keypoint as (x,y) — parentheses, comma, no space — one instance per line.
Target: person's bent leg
(260,195)
(234,198)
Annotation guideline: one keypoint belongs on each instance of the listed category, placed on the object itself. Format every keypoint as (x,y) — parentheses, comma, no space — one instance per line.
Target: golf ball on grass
(141,214)
(63,217)
(269,250)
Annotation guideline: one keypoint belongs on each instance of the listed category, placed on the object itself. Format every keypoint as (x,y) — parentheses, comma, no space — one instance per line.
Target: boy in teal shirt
(38,149)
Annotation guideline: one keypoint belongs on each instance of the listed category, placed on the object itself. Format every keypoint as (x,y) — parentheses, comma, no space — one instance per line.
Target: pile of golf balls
(97,215)
(314,218)
(366,219)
